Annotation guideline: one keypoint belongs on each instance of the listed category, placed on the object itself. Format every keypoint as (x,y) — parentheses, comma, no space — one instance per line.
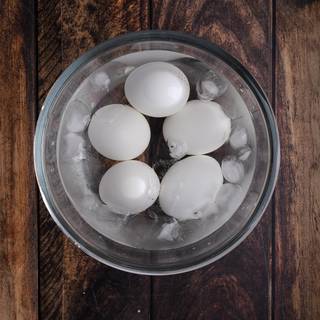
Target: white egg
(189,186)
(200,127)
(157,89)
(119,132)
(129,187)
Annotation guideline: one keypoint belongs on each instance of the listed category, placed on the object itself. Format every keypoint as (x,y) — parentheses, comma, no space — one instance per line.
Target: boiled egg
(119,132)
(157,89)
(199,128)
(129,187)
(189,186)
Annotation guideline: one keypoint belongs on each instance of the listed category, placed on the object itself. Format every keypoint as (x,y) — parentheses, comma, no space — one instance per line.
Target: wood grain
(49,57)
(87,23)
(239,286)
(297,237)
(18,196)
(72,285)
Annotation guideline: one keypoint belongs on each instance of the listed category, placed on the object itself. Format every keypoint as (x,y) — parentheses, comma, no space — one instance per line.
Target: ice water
(81,167)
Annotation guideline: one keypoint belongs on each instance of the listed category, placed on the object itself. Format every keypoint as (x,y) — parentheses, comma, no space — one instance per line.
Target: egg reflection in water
(119,132)
(157,89)
(200,127)
(129,187)
(189,186)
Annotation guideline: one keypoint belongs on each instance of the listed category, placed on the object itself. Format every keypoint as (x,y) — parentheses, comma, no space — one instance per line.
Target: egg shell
(157,89)
(119,132)
(199,128)
(189,186)
(129,187)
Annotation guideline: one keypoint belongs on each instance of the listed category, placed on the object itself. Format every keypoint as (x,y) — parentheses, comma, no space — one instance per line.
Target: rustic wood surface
(297,214)
(18,195)
(273,274)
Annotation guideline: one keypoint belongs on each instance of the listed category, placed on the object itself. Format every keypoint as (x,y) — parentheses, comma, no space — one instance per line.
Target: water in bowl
(81,167)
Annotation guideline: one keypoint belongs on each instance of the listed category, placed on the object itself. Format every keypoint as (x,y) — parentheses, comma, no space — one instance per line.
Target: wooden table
(273,274)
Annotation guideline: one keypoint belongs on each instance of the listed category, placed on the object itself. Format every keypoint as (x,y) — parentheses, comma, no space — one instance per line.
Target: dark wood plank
(50,237)
(297,237)
(72,285)
(238,286)
(18,194)
(87,23)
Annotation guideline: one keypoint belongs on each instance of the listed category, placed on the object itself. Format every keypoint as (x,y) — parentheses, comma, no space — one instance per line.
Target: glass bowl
(68,169)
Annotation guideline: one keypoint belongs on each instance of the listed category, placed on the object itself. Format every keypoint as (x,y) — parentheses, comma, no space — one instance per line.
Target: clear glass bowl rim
(171,36)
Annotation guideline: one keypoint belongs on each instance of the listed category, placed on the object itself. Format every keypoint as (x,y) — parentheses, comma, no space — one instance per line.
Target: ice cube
(208,209)
(228,200)
(78,117)
(116,71)
(211,86)
(232,169)
(229,197)
(73,145)
(238,138)
(74,179)
(101,80)
(88,94)
(170,231)
(207,90)
(81,155)
(244,153)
